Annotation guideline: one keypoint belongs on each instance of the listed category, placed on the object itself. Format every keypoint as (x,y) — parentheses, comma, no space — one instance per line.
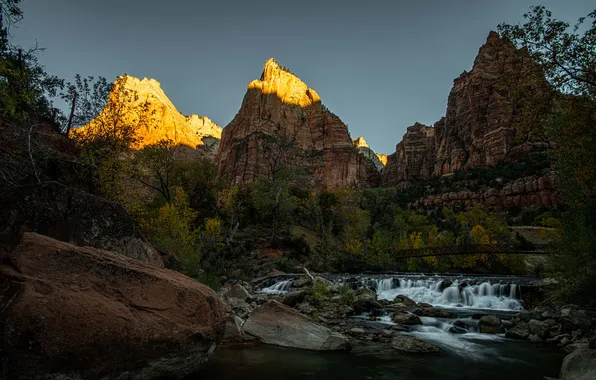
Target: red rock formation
(282,121)
(527,191)
(80,312)
(414,156)
(478,129)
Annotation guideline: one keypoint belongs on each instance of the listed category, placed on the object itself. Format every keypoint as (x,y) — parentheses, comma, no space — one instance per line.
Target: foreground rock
(73,216)
(79,312)
(579,365)
(278,324)
(403,343)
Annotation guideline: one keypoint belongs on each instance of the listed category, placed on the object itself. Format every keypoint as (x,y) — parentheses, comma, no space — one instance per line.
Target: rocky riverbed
(469,319)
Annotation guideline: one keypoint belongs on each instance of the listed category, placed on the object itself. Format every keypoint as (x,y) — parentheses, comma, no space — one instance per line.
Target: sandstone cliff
(143,105)
(481,123)
(283,122)
(478,129)
(414,156)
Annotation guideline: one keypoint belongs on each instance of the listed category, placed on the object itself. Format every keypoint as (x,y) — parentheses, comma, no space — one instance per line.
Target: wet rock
(356,331)
(365,300)
(277,324)
(404,300)
(239,292)
(69,308)
(400,328)
(490,324)
(423,304)
(521,331)
(583,345)
(458,329)
(295,297)
(525,316)
(233,332)
(301,282)
(479,315)
(398,305)
(534,338)
(572,319)
(406,344)
(241,308)
(306,308)
(579,365)
(405,318)
(539,328)
(435,313)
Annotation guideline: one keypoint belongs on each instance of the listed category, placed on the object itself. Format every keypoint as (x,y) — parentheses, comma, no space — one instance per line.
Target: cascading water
(494,294)
(457,293)
(280,287)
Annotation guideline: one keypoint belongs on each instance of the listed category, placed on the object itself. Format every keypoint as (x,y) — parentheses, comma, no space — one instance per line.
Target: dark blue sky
(379,65)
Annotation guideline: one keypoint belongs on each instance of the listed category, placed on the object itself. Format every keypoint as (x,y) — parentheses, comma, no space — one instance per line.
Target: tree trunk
(72,111)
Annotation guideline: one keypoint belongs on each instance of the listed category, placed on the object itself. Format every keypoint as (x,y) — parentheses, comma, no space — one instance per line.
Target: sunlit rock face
(282,122)
(142,105)
(379,160)
(414,156)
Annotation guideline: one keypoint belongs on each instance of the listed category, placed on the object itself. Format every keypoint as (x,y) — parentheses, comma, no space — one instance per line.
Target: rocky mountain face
(283,122)
(380,160)
(143,105)
(414,156)
(479,128)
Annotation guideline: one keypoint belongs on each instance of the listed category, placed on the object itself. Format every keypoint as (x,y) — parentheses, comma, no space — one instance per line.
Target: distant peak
(360,142)
(493,36)
(279,80)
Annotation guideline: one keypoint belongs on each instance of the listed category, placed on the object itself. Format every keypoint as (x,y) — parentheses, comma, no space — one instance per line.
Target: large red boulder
(80,311)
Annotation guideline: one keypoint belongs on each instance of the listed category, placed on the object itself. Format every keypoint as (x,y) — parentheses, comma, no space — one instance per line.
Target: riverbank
(410,326)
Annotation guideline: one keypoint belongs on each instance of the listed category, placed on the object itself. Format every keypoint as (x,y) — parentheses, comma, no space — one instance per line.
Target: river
(471,355)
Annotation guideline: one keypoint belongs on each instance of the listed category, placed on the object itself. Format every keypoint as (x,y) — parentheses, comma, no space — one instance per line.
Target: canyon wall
(282,122)
(479,129)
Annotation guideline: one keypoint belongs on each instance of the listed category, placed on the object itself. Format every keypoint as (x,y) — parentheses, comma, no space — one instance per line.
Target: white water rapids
(462,295)
(484,295)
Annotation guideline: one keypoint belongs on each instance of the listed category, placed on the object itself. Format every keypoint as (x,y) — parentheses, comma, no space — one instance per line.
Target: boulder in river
(579,365)
(405,318)
(521,331)
(490,324)
(407,344)
(294,297)
(539,328)
(278,324)
(434,312)
(365,300)
(69,309)
(405,300)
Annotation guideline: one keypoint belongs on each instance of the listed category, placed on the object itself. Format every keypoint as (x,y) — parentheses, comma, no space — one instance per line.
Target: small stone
(490,324)
(534,338)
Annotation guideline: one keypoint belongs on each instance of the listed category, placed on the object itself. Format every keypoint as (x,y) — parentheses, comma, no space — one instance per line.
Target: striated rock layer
(143,105)
(282,122)
(414,156)
(480,125)
(72,312)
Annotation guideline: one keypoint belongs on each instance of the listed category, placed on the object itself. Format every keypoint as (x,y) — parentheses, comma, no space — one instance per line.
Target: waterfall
(474,293)
(457,293)
(280,287)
